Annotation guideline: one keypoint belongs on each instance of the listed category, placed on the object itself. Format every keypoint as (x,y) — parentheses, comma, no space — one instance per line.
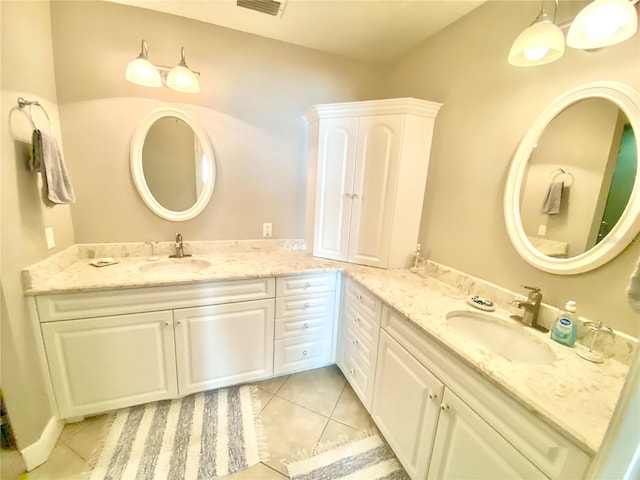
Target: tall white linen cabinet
(367,170)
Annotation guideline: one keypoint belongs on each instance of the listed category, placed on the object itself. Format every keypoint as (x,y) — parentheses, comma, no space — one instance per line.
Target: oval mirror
(572,198)
(172,164)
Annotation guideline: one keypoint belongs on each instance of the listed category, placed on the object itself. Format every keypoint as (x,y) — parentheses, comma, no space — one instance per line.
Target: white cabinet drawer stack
(305,313)
(360,332)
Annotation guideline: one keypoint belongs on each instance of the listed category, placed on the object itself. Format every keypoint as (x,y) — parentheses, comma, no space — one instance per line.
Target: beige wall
(27,71)
(254,94)
(488,105)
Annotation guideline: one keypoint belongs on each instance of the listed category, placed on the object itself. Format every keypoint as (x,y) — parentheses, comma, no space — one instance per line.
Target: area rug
(202,436)
(366,459)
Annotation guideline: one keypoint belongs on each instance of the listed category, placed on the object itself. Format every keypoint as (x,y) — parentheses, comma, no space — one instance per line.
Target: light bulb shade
(603,23)
(541,43)
(182,79)
(142,72)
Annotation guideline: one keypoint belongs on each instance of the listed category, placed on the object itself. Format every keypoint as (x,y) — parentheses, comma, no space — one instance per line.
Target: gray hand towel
(633,291)
(553,199)
(46,158)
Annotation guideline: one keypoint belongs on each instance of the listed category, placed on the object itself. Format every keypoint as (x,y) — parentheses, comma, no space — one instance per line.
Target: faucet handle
(533,289)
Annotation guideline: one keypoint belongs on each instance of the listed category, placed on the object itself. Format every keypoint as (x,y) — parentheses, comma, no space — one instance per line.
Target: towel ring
(566,173)
(30,103)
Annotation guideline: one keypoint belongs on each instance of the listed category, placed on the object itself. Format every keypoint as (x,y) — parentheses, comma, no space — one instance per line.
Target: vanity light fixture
(603,23)
(600,24)
(180,78)
(542,42)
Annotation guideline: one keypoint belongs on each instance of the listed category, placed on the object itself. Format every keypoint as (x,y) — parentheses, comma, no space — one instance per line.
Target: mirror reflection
(173,164)
(579,178)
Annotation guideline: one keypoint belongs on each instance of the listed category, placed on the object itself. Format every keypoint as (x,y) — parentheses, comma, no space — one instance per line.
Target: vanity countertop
(574,396)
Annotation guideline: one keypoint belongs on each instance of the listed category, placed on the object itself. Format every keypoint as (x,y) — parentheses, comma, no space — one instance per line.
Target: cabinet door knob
(359,297)
(306,325)
(166,324)
(179,322)
(306,305)
(307,285)
(352,371)
(354,195)
(444,407)
(355,342)
(357,319)
(305,353)
(432,396)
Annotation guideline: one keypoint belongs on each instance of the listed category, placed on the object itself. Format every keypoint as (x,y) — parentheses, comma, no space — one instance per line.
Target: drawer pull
(166,324)
(356,319)
(432,396)
(352,371)
(355,342)
(305,353)
(444,407)
(307,285)
(359,297)
(306,305)
(306,325)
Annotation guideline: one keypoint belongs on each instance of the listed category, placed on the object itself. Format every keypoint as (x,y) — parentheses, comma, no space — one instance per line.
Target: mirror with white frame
(572,198)
(172,164)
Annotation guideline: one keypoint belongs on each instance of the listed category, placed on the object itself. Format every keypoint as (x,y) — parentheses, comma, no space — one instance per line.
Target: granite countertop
(574,396)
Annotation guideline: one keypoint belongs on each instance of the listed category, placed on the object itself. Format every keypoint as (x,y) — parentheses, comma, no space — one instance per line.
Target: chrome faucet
(179,248)
(531,309)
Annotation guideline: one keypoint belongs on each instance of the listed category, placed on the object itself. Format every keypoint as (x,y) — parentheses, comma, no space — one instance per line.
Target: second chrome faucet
(531,309)
(179,248)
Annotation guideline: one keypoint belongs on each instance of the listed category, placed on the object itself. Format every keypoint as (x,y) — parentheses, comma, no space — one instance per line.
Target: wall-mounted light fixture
(600,24)
(180,78)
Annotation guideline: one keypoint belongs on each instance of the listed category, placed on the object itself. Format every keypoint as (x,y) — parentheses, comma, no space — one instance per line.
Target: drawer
(360,378)
(307,283)
(367,304)
(355,346)
(361,326)
(317,304)
(66,306)
(555,455)
(301,326)
(303,353)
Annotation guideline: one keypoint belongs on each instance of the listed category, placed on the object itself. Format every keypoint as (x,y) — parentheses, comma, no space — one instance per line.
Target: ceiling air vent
(270,7)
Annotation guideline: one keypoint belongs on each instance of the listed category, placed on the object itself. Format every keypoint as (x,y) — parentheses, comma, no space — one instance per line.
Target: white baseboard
(37,453)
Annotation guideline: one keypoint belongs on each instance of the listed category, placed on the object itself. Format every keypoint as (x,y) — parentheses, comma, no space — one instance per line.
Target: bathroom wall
(254,94)
(27,71)
(488,105)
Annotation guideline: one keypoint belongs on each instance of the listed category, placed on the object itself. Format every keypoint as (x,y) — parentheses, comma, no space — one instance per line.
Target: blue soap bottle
(565,330)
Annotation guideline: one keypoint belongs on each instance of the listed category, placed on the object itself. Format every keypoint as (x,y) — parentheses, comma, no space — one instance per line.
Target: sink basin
(504,337)
(176,266)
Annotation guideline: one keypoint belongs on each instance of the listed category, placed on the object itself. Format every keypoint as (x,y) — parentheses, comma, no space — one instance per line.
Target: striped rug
(366,459)
(202,436)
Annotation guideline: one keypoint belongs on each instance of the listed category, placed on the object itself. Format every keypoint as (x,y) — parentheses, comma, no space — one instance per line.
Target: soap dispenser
(565,329)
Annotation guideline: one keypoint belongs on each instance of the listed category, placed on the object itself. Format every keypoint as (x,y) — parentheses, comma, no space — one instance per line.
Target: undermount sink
(176,266)
(506,338)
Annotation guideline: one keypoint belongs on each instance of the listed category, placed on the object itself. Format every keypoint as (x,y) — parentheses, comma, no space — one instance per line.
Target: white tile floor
(299,412)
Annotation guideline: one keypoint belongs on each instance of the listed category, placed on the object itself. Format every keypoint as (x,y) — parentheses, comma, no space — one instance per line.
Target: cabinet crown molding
(412,106)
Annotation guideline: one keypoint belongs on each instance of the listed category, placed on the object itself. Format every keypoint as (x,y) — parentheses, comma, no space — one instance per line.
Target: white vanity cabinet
(467,447)
(112,349)
(304,325)
(406,405)
(358,345)
(99,364)
(481,432)
(368,165)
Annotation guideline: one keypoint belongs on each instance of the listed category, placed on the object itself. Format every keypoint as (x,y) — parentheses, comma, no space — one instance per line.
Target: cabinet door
(375,182)
(466,447)
(334,187)
(223,345)
(406,404)
(100,364)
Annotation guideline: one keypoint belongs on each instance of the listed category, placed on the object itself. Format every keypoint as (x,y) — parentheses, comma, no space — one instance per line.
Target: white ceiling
(370,30)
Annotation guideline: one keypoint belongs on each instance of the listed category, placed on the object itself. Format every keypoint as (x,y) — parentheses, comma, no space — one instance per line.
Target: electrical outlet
(48,235)
(266,229)
(542,230)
